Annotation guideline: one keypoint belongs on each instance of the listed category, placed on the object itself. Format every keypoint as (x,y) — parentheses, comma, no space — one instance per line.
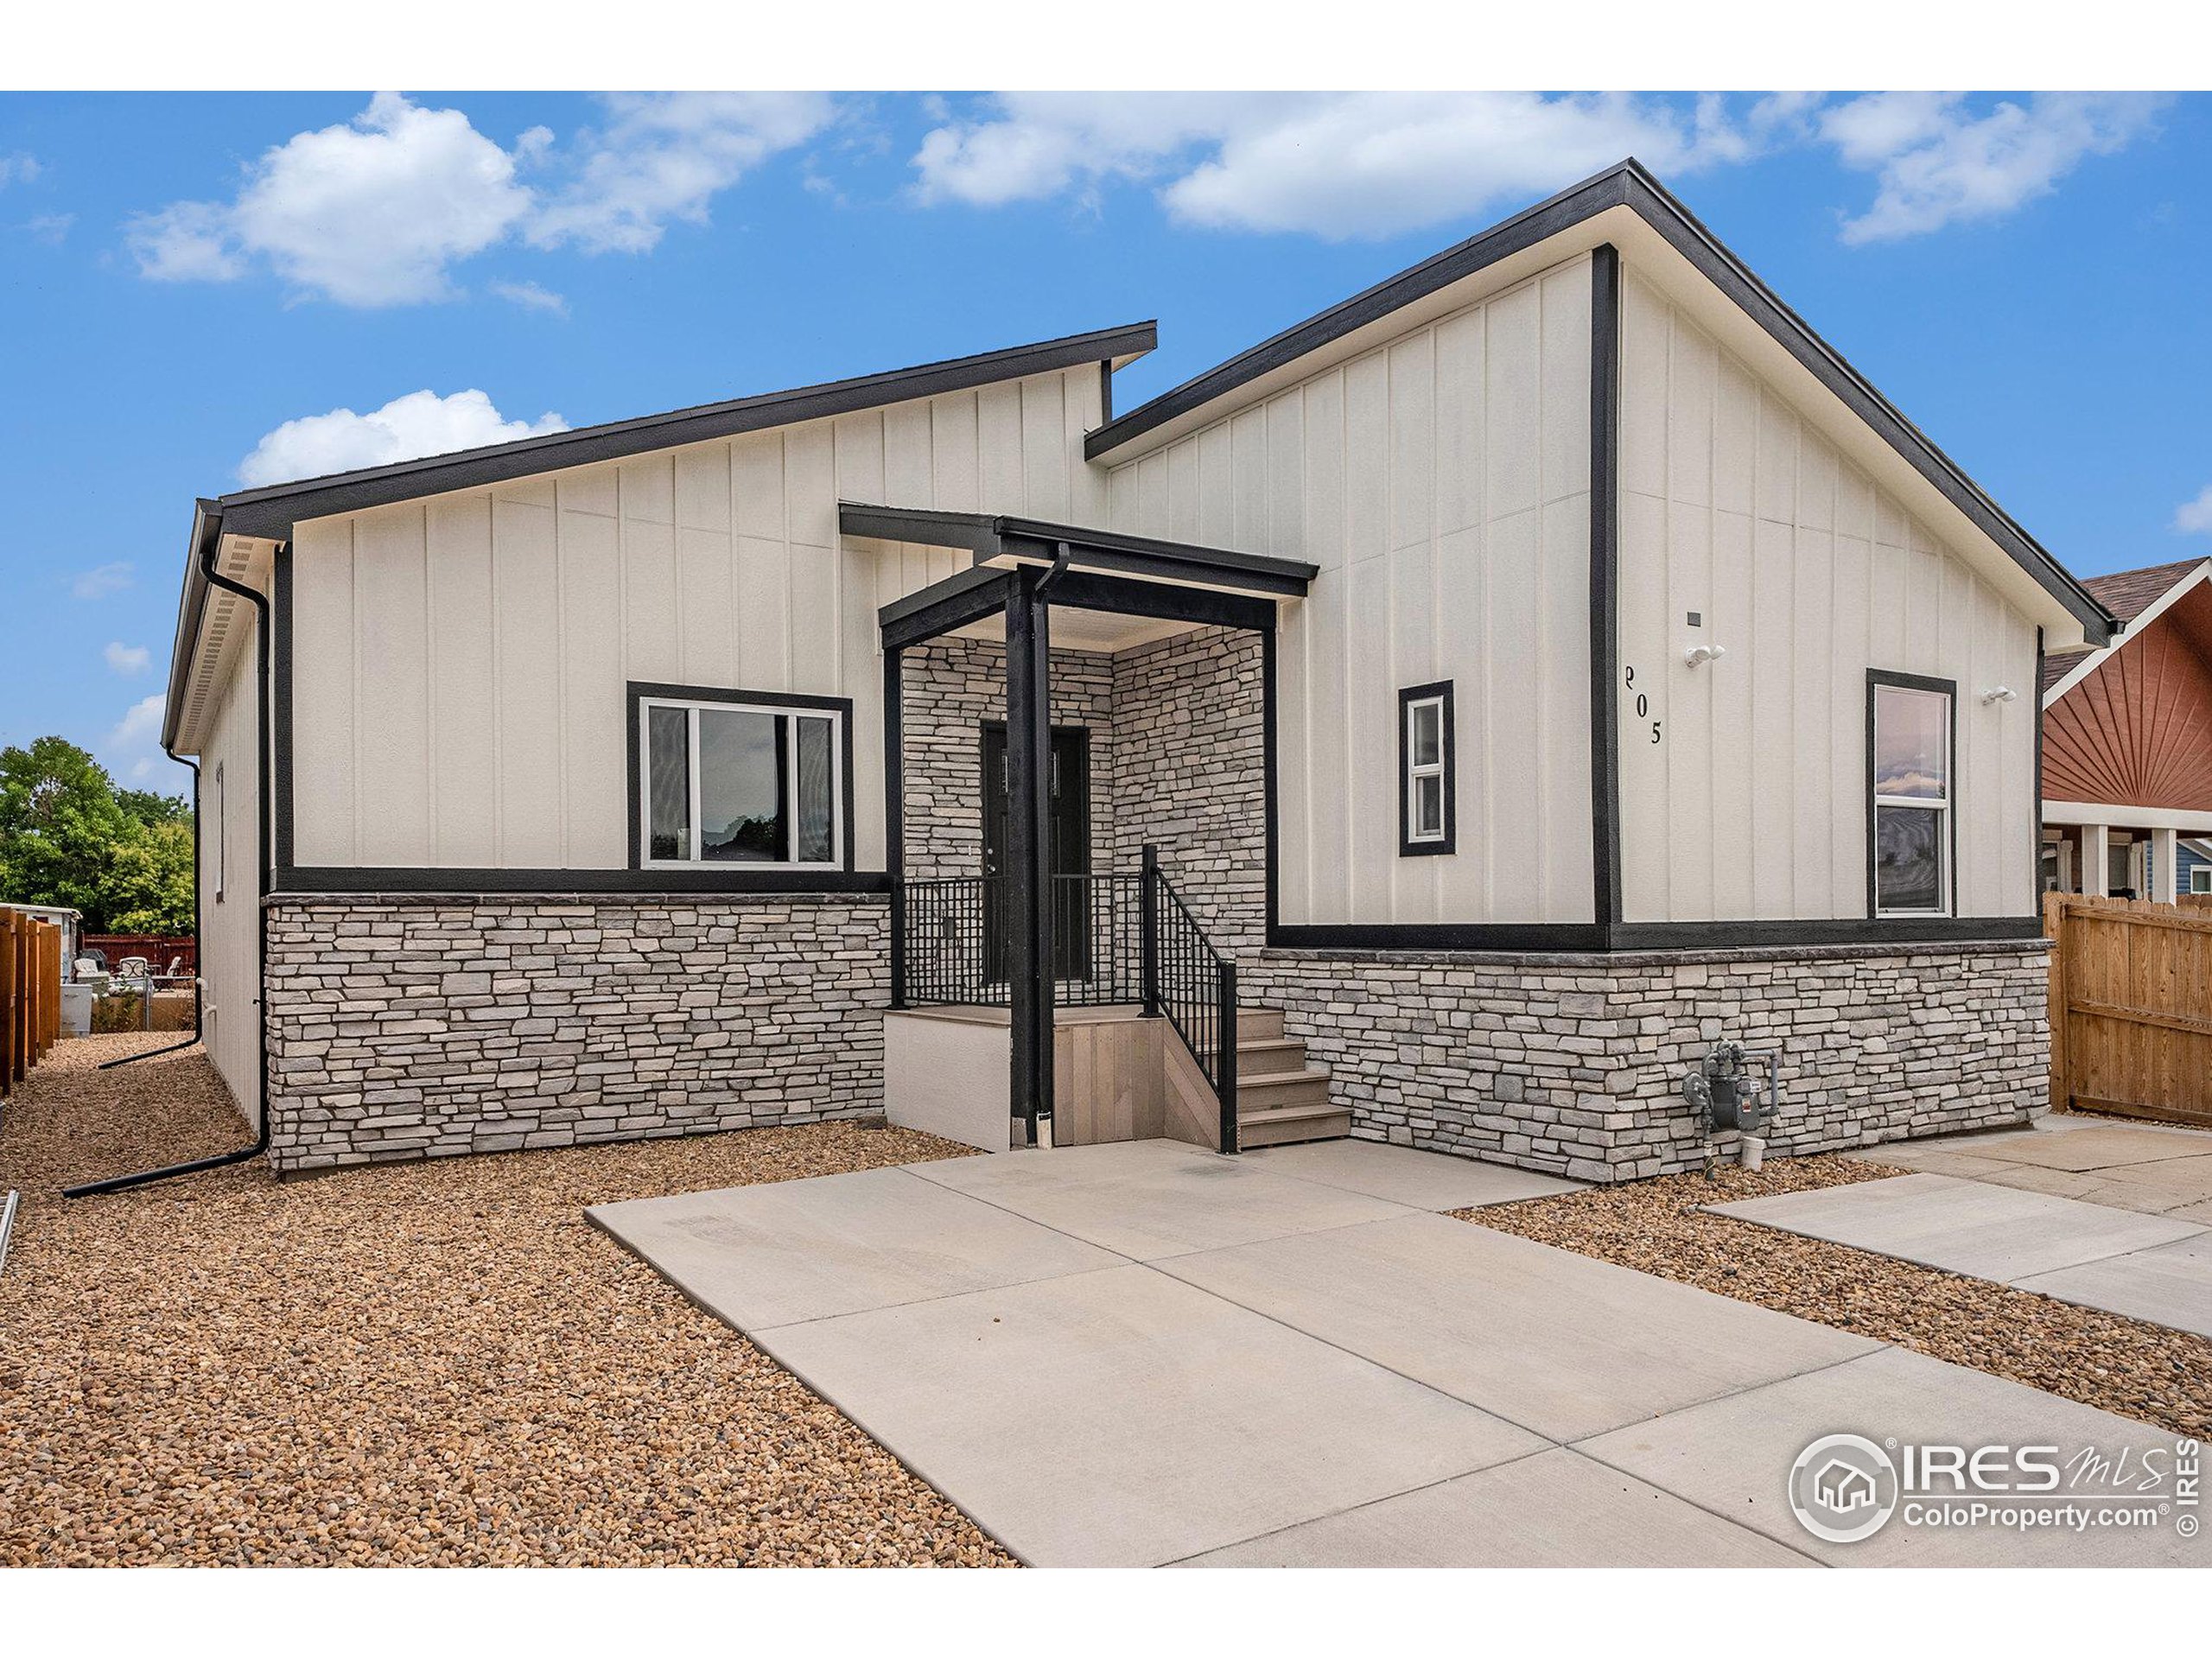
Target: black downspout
(199,990)
(262,738)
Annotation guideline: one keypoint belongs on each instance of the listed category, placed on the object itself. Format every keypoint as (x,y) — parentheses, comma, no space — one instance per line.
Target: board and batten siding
(1441,483)
(459,662)
(230,844)
(1751,802)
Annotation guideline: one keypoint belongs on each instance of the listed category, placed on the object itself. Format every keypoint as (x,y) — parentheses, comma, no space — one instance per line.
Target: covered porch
(1079,783)
(2125,852)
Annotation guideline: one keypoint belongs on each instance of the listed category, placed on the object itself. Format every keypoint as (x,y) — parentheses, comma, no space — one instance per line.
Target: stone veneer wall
(1177,753)
(1190,726)
(1574,1065)
(949,687)
(410,1026)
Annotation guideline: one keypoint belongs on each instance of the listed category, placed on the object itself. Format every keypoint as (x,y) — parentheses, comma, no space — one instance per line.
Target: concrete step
(1266,1093)
(1258,1025)
(1289,1123)
(1269,1057)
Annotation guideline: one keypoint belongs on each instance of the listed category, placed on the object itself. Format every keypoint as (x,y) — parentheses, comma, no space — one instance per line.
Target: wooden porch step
(1268,1056)
(1282,1125)
(1309,1086)
(1258,1025)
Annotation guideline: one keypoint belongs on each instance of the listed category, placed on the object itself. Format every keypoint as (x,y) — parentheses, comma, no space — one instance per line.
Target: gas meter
(1726,1095)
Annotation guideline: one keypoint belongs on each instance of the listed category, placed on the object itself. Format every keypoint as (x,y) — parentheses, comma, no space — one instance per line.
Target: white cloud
(102,580)
(378,211)
(663,156)
(128,659)
(420,424)
(141,724)
(1940,163)
(368,214)
(532,297)
(1332,164)
(2195,517)
(19,168)
(52,229)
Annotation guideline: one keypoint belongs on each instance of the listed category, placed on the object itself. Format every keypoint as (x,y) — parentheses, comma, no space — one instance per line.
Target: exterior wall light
(2000,694)
(1697,654)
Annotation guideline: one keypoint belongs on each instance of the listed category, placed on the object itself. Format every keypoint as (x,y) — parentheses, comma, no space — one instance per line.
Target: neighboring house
(1529,670)
(2128,742)
(2194,862)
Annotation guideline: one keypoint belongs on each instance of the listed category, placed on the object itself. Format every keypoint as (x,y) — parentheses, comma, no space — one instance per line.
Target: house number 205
(1642,703)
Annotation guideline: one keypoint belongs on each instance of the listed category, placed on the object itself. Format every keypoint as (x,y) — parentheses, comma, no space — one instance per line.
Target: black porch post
(1028,885)
(894,816)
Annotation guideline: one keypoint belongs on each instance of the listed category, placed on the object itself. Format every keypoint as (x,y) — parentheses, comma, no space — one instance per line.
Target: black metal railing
(1116,939)
(1185,979)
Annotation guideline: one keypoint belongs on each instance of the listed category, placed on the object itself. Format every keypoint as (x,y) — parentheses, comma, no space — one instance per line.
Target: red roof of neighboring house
(2127,594)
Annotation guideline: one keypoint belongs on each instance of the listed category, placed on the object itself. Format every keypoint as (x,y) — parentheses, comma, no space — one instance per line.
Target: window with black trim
(1428,808)
(740,779)
(1910,739)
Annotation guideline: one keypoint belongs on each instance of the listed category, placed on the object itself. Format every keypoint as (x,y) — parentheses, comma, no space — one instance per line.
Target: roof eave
(271,510)
(1628,184)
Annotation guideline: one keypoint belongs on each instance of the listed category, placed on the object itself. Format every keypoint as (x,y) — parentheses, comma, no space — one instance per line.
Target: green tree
(68,836)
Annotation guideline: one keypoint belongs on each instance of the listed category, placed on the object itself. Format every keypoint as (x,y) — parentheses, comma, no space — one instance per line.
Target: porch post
(894,815)
(1028,896)
(2096,860)
(2163,885)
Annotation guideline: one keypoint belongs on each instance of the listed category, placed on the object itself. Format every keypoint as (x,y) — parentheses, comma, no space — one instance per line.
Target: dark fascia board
(1628,184)
(273,510)
(987,536)
(190,607)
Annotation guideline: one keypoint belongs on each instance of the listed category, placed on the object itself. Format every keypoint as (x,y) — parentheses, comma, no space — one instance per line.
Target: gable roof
(2134,597)
(270,511)
(1626,186)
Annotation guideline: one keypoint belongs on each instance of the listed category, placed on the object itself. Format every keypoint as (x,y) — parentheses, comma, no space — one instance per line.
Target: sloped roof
(2127,594)
(1628,184)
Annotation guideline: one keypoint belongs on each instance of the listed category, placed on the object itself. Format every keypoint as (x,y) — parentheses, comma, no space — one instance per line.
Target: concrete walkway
(1144,1354)
(2154,1268)
(2159,1169)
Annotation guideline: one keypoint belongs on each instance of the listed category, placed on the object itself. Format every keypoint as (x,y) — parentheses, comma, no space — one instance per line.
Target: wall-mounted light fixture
(1697,654)
(2000,694)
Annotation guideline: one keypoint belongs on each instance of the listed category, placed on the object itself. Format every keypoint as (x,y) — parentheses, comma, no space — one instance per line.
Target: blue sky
(184,276)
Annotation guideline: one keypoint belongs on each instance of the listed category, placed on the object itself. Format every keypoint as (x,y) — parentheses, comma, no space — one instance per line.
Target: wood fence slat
(2130,1007)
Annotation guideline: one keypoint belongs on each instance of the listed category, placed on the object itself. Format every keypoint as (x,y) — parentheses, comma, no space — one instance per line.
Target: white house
(1527,671)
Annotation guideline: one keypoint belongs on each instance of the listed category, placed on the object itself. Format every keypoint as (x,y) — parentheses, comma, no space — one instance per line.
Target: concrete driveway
(2108,1216)
(1144,1354)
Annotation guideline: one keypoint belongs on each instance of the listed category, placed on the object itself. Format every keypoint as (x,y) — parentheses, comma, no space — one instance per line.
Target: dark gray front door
(1068,789)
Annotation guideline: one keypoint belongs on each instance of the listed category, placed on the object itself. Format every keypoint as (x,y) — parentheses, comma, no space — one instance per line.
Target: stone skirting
(410,1026)
(1574,1065)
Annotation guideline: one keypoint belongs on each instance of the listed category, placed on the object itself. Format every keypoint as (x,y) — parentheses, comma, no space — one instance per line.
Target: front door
(1067,788)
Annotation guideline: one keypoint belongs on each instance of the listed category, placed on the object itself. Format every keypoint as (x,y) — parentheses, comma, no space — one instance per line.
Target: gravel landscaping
(2145,1371)
(419,1364)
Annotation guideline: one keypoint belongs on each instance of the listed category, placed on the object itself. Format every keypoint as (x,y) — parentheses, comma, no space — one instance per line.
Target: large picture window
(1427,811)
(1910,739)
(741,779)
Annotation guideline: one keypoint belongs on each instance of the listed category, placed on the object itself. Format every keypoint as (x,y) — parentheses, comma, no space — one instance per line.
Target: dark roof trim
(273,510)
(191,606)
(1629,185)
(989,536)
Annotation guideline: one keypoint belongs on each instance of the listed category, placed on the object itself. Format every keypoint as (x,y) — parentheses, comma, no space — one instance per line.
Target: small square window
(1427,811)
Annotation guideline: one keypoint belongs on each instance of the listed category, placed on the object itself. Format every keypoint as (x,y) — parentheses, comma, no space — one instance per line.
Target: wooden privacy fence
(30,993)
(2130,1007)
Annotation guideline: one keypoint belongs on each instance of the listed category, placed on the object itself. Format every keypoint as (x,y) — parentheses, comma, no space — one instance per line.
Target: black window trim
(1876,679)
(1437,690)
(780,876)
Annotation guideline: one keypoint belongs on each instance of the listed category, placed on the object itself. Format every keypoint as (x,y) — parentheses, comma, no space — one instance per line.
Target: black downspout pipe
(260,603)
(199,990)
